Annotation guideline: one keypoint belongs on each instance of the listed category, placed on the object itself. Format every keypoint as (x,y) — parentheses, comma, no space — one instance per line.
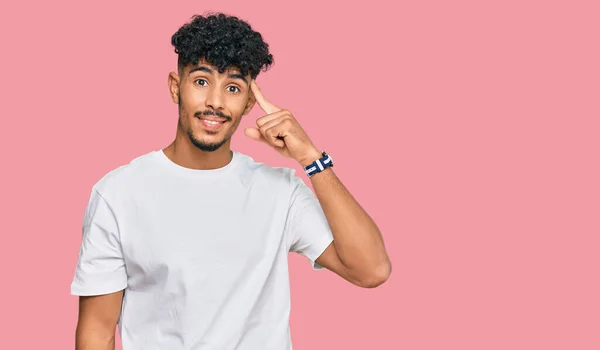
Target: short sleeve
(307,225)
(100,266)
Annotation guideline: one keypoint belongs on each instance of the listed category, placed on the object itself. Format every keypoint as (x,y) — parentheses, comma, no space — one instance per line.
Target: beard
(206,146)
(200,144)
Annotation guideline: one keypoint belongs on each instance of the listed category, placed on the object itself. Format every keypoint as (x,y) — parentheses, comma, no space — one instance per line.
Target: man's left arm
(357,253)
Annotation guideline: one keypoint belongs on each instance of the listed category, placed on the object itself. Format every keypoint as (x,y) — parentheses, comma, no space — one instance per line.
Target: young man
(186,247)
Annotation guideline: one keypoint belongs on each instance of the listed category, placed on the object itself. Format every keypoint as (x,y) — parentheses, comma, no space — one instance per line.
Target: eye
(201,82)
(233,89)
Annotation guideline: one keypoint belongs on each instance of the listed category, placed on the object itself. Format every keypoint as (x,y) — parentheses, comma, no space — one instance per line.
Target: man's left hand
(280,130)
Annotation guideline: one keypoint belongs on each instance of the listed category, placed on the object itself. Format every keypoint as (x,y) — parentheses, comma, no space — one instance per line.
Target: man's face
(211,104)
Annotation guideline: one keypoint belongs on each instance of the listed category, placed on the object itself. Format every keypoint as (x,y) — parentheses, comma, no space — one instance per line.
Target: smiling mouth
(211,123)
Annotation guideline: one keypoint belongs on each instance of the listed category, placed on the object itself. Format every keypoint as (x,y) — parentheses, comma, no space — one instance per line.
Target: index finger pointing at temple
(266,106)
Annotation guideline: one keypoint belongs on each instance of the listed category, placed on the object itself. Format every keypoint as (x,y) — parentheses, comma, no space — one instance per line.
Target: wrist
(310,158)
(320,164)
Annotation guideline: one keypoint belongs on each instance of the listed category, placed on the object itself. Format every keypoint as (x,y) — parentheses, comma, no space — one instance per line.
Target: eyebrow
(210,71)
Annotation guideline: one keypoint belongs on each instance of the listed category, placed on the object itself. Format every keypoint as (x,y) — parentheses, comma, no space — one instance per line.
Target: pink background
(468,130)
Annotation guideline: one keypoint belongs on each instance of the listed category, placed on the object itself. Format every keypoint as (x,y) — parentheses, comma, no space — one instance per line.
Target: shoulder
(276,176)
(122,176)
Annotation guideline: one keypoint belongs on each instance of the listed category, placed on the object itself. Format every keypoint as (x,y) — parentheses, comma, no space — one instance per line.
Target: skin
(357,253)
(202,88)
(98,316)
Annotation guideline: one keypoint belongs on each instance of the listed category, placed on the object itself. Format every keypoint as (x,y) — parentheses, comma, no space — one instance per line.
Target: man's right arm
(97,322)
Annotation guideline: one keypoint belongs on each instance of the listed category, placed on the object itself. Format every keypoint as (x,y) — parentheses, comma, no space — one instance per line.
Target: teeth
(211,122)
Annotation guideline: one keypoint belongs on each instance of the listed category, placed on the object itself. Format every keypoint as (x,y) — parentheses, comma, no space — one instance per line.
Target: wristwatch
(319,165)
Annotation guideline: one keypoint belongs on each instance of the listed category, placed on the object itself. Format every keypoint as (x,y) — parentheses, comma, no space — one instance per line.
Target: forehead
(213,68)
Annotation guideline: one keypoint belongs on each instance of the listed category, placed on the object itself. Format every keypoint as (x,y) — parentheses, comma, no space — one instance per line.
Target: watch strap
(319,165)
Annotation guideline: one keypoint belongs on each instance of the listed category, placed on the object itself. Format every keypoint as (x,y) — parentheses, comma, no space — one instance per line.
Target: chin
(207,144)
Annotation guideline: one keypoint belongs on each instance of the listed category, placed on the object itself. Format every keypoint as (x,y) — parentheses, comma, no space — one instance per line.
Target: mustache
(215,113)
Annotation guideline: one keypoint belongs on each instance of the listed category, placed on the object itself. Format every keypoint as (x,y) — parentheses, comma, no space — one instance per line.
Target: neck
(182,152)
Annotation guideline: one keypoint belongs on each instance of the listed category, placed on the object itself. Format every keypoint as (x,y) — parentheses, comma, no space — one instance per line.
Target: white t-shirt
(202,254)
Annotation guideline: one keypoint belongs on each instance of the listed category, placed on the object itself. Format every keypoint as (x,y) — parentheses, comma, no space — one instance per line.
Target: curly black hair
(224,41)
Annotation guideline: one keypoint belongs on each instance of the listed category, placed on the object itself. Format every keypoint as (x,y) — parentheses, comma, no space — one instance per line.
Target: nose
(214,99)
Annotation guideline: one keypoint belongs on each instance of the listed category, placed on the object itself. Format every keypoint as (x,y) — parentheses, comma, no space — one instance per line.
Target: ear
(174,86)
(250,103)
